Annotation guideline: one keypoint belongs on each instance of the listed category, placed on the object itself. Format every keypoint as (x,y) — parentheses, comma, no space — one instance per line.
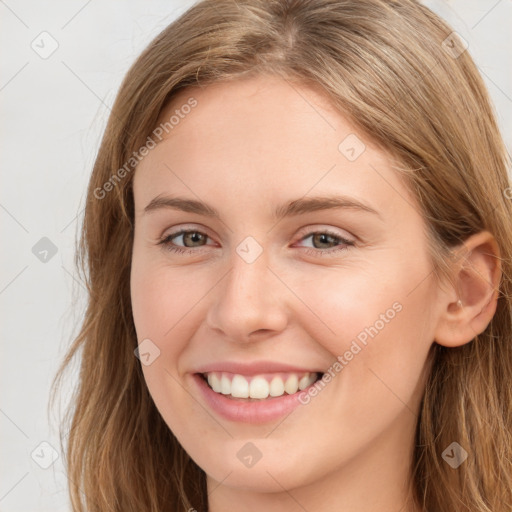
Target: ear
(469,302)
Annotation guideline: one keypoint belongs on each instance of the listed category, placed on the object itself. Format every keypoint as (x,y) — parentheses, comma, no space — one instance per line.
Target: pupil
(196,237)
(323,238)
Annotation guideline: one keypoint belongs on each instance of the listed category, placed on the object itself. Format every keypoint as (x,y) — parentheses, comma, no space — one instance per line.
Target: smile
(259,387)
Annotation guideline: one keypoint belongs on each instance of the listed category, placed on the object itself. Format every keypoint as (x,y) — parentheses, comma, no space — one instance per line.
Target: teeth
(259,386)
(304,382)
(239,387)
(225,385)
(292,384)
(214,382)
(276,386)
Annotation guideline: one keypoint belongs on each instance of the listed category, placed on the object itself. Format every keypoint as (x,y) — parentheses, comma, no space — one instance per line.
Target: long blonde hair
(398,73)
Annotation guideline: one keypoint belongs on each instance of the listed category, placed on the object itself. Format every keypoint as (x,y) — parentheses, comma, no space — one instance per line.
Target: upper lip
(254,368)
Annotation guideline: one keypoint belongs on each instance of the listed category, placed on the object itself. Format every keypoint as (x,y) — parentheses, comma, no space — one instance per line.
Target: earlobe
(469,304)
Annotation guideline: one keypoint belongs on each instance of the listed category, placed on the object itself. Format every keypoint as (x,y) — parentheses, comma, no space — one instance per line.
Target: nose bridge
(249,298)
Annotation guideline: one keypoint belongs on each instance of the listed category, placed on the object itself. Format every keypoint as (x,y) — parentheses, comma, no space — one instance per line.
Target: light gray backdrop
(62,63)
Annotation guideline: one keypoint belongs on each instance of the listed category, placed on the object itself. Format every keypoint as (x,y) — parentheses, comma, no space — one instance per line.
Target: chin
(263,477)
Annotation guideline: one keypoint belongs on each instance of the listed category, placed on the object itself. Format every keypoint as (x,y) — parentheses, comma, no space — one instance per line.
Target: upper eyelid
(320,228)
(302,234)
(183,231)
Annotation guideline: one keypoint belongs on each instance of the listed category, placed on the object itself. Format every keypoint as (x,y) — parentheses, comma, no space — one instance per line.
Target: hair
(383,65)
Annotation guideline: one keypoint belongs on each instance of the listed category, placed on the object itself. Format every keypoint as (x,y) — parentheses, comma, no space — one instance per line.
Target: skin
(247,147)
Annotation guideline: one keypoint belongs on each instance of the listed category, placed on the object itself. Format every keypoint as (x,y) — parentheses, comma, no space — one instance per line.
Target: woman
(229,360)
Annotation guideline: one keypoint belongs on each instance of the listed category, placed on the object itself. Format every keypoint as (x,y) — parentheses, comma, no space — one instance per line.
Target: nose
(249,303)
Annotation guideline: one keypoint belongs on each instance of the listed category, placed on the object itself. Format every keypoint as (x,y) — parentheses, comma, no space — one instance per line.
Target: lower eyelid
(169,244)
(332,235)
(168,239)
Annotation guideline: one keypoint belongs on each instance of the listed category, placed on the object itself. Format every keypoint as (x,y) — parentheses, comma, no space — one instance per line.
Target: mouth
(257,388)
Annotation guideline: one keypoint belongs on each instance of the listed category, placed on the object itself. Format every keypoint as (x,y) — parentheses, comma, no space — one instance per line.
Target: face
(274,243)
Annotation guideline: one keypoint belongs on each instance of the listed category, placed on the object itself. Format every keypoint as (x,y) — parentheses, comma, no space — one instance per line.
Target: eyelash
(166,242)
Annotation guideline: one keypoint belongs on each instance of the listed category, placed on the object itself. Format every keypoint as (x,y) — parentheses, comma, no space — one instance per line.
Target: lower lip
(262,411)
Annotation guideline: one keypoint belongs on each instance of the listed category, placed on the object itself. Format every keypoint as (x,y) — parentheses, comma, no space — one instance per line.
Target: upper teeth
(259,386)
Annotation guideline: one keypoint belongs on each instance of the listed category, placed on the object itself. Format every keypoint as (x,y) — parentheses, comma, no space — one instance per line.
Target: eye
(188,236)
(193,239)
(334,241)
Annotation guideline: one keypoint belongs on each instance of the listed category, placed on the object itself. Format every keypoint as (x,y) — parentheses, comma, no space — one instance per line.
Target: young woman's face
(314,261)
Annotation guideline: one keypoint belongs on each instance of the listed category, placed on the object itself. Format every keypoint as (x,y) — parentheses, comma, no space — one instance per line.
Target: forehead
(266,102)
(268,136)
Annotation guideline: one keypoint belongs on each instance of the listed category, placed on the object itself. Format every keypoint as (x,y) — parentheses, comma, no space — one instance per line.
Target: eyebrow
(290,209)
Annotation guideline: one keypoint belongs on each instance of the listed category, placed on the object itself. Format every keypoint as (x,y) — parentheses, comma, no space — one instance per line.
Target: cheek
(377,325)
(345,304)
(162,298)
(163,302)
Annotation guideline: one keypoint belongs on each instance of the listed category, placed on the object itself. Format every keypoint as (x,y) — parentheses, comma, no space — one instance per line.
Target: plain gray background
(53,110)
